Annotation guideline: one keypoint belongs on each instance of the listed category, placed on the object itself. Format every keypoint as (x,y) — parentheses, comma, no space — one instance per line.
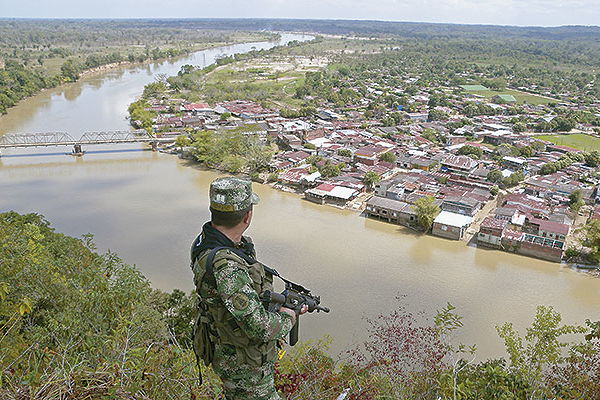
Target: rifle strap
(210,274)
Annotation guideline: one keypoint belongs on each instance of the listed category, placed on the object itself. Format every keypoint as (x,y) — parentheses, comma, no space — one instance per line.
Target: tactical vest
(215,325)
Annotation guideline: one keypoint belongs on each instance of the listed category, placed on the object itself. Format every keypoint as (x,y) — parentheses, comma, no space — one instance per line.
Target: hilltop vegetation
(77,324)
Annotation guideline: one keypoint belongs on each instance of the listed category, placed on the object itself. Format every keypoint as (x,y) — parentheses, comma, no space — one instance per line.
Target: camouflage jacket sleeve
(241,300)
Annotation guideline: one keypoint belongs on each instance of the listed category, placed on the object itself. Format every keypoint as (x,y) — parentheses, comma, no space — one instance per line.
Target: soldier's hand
(304,309)
(290,312)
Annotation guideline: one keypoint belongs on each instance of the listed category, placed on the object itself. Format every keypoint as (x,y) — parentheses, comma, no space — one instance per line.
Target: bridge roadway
(47,139)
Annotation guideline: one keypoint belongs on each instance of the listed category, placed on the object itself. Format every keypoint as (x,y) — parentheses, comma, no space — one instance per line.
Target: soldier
(233,330)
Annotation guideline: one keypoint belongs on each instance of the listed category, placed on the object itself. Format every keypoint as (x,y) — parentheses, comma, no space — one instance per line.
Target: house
(289,141)
(293,177)
(197,108)
(514,163)
(512,215)
(530,204)
(370,154)
(422,163)
(418,116)
(395,211)
(463,205)
(540,247)
(458,164)
(561,148)
(547,229)
(452,140)
(327,192)
(498,137)
(295,158)
(491,231)
(450,225)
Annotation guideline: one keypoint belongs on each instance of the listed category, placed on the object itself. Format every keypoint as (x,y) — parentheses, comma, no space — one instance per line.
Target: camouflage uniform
(245,334)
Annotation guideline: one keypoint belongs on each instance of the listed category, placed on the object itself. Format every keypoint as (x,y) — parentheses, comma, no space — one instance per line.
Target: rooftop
(452,219)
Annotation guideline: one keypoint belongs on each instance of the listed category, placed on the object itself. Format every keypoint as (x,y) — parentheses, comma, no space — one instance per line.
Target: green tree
(388,156)
(470,110)
(527,151)
(447,322)
(512,180)
(505,149)
(564,124)
(469,150)
(494,176)
(182,141)
(592,158)
(431,135)
(543,347)
(437,115)
(69,71)
(519,127)
(328,169)
(576,200)
(591,240)
(370,179)
(345,152)
(426,211)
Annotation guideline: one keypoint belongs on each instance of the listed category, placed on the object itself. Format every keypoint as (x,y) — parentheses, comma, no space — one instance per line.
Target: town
(454,161)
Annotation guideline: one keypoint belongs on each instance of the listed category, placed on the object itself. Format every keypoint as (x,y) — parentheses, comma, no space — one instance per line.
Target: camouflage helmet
(231,194)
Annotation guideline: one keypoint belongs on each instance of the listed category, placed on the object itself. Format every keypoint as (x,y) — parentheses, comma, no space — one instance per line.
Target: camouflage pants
(244,382)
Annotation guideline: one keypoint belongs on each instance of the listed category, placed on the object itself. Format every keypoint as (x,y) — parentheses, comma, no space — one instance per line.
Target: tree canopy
(426,211)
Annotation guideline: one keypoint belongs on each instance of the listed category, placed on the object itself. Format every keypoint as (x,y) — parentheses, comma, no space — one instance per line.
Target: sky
(495,12)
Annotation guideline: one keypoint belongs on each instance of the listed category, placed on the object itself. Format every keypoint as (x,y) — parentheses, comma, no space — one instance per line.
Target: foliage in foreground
(75,324)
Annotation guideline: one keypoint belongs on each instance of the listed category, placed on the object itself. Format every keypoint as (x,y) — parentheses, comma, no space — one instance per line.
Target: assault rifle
(293,297)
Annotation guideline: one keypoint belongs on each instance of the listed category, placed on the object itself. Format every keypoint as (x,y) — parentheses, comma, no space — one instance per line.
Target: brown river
(148,207)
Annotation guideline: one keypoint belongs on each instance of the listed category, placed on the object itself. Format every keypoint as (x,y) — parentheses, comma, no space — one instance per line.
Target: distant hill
(355,27)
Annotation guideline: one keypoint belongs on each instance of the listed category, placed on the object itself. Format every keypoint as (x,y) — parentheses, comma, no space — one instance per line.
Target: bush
(255,177)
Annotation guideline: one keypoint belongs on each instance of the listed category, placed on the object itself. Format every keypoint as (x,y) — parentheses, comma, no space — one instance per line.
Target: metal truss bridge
(46,139)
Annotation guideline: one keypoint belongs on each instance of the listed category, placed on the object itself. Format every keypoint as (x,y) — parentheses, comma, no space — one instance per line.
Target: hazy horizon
(294,19)
(534,13)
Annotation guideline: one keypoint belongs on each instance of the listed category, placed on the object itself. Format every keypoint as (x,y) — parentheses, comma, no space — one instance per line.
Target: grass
(578,141)
(521,97)
(473,88)
(270,81)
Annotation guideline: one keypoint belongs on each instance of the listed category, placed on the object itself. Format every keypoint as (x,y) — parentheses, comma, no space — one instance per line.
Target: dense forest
(77,324)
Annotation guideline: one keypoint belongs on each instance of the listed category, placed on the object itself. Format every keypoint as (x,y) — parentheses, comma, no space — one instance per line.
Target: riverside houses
(450,225)
(334,194)
(395,211)
(491,231)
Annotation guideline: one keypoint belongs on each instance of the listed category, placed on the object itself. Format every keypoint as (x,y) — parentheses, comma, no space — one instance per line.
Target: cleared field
(271,82)
(578,141)
(519,96)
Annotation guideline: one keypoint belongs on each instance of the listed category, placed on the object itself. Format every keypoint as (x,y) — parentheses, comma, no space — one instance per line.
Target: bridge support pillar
(154,146)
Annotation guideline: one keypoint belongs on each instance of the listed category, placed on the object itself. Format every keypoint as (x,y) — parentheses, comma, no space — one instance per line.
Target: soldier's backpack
(204,335)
